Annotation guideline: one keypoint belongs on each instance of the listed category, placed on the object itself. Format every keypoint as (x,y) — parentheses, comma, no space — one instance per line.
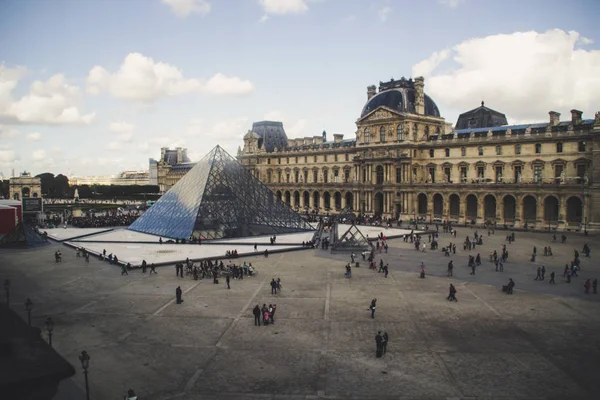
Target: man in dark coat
(256,312)
(178,294)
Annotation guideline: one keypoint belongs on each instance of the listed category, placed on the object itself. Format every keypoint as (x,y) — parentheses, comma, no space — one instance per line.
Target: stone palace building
(406,162)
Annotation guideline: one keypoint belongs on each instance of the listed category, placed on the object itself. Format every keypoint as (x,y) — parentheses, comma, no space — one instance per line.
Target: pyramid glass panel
(219,198)
(352,240)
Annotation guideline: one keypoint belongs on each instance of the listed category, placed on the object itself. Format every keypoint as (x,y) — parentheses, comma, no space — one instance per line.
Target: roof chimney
(576,117)
(371,91)
(338,137)
(554,118)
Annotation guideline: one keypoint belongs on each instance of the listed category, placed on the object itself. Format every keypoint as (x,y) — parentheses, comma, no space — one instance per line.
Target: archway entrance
(337,200)
(16,196)
(510,209)
(489,207)
(378,203)
(471,207)
(551,208)
(306,196)
(327,200)
(317,199)
(574,210)
(350,201)
(454,205)
(296,199)
(288,197)
(26,192)
(422,204)
(438,206)
(529,209)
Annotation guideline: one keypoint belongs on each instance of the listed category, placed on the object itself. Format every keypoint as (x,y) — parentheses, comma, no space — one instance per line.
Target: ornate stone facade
(407,162)
(25,185)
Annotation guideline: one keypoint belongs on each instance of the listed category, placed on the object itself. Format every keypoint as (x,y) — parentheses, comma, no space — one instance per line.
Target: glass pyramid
(352,240)
(22,235)
(219,198)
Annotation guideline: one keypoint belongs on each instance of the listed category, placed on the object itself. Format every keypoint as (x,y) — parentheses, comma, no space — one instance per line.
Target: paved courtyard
(540,343)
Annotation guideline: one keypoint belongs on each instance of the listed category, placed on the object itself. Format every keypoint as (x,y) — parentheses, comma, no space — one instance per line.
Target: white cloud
(224,85)
(524,75)
(34,136)
(183,8)
(282,7)
(38,155)
(139,78)
(8,155)
(452,3)
(8,133)
(51,102)
(296,130)
(121,127)
(348,19)
(384,13)
(273,115)
(195,127)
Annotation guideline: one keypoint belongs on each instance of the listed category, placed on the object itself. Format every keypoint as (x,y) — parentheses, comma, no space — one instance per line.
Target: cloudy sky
(94,87)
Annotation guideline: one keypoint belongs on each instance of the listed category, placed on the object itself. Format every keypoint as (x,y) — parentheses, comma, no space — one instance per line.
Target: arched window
(367,135)
(382,134)
(399,134)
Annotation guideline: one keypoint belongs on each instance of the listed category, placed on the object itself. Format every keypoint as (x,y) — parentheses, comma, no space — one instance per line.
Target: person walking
(538,277)
(273,286)
(144,265)
(450,268)
(178,294)
(379,344)
(227,280)
(452,294)
(543,272)
(552,278)
(510,286)
(384,343)
(256,312)
(372,307)
(152,269)
(124,270)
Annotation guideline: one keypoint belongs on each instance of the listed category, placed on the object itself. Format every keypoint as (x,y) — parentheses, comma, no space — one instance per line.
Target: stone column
(562,208)
(463,209)
(500,209)
(540,208)
(480,208)
(311,200)
(343,200)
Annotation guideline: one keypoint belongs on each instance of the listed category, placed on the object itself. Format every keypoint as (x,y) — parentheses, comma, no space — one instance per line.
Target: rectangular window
(517,149)
(297,176)
(268,161)
(336,175)
(364,175)
(287,160)
(305,176)
(558,169)
(315,176)
(431,153)
(537,173)
(347,157)
(463,151)
(325,158)
(279,176)
(315,159)
(559,147)
(463,174)
(498,150)
(480,150)
(305,159)
(581,146)
(581,170)
(432,174)
(447,152)
(447,172)
(325,176)
(335,158)
(279,160)
(346,175)
(498,174)
(398,175)
(269,176)
(538,148)
(480,172)
(287,178)
(517,170)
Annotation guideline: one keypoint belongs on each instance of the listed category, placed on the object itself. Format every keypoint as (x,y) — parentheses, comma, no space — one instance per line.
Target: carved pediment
(380,113)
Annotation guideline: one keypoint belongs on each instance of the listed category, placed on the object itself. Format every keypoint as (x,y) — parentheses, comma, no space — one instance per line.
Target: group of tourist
(267,314)
(104,221)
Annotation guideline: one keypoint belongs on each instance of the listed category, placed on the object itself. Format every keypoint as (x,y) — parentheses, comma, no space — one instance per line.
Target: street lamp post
(50,328)
(84,357)
(29,307)
(7,289)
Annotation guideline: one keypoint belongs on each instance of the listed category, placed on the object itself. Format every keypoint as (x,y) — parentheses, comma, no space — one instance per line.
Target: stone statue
(562,176)
(518,177)
(586,179)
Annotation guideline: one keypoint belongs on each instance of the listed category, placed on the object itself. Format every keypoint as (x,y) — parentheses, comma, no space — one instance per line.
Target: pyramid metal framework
(352,240)
(22,235)
(219,198)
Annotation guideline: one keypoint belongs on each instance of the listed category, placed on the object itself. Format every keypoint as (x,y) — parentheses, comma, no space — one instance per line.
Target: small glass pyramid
(352,240)
(219,198)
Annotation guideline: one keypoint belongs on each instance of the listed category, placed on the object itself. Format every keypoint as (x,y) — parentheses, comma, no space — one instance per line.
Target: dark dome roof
(271,135)
(399,99)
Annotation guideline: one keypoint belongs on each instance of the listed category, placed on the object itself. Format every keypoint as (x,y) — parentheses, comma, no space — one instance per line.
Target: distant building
(25,185)
(124,178)
(172,166)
